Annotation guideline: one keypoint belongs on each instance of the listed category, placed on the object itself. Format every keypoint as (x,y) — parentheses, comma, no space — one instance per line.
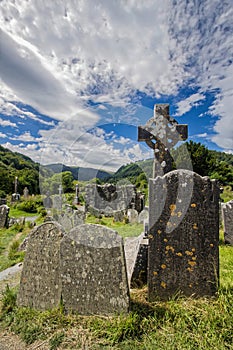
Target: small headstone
(143,216)
(40,284)
(183,235)
(48,203)
(4,212)
(71,219)
(25,192)
(132,215)
(93,270)
(227,215)
(118,216)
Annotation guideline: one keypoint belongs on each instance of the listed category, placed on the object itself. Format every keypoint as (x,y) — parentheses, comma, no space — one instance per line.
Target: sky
(78,77)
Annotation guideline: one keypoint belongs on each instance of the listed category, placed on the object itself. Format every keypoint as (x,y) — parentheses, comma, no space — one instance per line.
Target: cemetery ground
(180,323)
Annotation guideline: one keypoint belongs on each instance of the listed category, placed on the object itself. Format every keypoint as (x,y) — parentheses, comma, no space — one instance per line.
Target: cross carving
(161,133)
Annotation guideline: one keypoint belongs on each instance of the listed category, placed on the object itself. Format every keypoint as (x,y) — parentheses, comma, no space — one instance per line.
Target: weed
(56,340)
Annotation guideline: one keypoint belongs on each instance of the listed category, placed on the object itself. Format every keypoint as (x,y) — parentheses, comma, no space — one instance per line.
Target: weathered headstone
(143,216)
(48,202)
(136,252)
(227,216)
(183,235)
(93,270)
(4,212)
(25,192)
(40,284)
(132,215)
(106,199)
(71,219)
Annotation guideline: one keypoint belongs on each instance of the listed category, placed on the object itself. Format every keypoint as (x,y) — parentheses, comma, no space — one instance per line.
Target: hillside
(217,165)
(79,173)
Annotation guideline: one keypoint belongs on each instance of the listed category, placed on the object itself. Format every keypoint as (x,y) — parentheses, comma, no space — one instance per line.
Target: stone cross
(161,133)
(16,184)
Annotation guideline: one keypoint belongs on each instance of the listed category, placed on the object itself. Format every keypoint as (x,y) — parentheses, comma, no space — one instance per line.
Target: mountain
(79,173)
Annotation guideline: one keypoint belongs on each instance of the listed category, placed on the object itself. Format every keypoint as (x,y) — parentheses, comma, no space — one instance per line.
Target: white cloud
(7,123)
(190,102)
(56,56)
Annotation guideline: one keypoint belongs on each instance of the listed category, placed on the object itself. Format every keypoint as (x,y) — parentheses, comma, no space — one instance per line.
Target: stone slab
(183,235)
(93,271)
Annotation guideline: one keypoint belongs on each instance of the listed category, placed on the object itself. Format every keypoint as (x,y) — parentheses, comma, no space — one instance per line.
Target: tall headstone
(183,235)
(93,270)
(227,215)
(40,284)
(4,212)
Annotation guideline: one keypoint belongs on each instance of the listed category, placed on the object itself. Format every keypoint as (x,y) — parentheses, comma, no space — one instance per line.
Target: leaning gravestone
(4,212)
(136,254)
(183,235)
(227,215)
(40,284)
(93,271)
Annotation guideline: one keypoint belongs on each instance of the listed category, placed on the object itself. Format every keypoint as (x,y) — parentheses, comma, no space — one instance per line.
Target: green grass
(9,255)
(124,229)
(179,324)
(227,194)
(183,323)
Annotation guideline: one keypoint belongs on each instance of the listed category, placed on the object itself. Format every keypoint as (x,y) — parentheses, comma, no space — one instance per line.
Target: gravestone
(40,284)
(93,271)
(70,219)
(25,192)
(227,215)
(136,252)
(4,212)
(108,198)
(143,216)
(183,235)
(47,201)
(132,215)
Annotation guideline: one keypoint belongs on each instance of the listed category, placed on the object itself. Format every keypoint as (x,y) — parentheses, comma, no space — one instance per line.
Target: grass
(124,229)
(182,324)
(178,324)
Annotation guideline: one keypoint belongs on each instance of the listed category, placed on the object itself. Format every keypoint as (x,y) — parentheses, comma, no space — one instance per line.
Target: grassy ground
(179,324)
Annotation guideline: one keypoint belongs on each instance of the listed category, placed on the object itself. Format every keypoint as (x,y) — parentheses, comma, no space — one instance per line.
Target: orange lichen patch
(187,252)
(179,214)
(179,254)
(190,269)
(193,205)
(163,266)
(165,239)
(168,247)
(159,232)
(211,245)
(155,273)
(194,257)
(192,263)
(195,227)
(163,284)
(172,207)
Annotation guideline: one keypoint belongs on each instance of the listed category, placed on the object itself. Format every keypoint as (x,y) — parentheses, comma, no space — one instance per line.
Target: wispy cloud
(62,57)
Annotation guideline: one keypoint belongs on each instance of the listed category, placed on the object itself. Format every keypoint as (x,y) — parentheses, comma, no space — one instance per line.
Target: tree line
(205,162)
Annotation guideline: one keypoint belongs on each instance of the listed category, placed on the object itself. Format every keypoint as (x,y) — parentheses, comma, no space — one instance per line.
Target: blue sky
(78,77)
